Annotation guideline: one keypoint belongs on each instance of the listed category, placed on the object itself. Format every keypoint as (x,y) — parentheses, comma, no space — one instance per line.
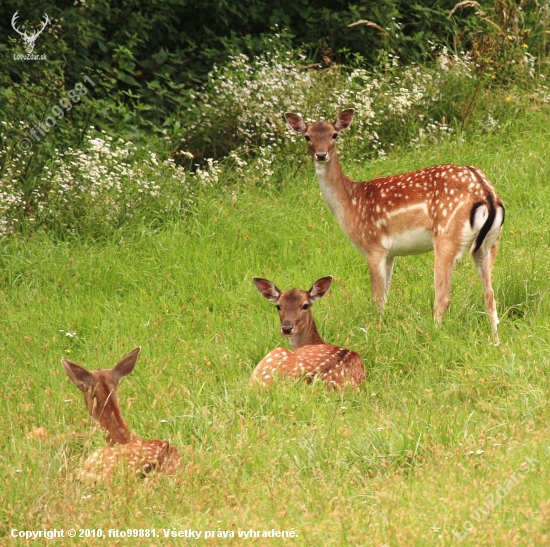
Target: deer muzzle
(286,328)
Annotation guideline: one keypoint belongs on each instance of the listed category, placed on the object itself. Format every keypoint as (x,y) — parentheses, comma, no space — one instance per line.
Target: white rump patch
(494,232)
(480,217)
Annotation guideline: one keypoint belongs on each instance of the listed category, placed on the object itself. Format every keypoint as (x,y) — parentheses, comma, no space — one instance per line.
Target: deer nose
(287,328)
(321,156)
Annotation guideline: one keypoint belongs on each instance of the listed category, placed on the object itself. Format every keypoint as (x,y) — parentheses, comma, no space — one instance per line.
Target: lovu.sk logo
(29,40)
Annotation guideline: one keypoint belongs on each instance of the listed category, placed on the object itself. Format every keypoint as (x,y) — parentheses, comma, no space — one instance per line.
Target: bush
(95,189)
(71,182)
(238,118)
(147,57)
(240,111)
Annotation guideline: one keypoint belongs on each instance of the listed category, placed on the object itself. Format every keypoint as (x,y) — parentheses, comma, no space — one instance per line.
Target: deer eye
(308,138)
(335,136)
(305,306)
(278,307)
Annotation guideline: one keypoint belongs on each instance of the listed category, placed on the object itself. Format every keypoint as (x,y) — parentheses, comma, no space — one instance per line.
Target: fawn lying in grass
(312,356)
(125,451)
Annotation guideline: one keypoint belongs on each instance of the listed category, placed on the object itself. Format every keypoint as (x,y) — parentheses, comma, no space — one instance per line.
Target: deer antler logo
(29,40)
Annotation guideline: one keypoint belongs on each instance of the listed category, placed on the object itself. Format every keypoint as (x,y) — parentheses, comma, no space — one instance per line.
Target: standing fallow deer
(125,451)
(446,208)
(312,356)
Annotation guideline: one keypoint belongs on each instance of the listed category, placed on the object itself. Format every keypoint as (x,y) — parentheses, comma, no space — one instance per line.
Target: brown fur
(312,356)
(446,208)
(125,451)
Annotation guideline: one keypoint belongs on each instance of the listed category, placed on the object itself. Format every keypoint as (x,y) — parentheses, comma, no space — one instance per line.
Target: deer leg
(389,271)
(484,260)
(446,256)
(378,270)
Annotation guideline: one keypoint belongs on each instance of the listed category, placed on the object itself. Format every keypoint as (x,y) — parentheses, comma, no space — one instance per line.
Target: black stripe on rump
(492,212)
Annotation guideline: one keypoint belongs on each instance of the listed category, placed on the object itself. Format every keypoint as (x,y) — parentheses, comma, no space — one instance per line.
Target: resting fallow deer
(125,451)
(446,208)
(312,356)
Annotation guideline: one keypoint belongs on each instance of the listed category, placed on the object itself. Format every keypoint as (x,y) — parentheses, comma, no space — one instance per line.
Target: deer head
(101,396)
(321,136)
(294,307)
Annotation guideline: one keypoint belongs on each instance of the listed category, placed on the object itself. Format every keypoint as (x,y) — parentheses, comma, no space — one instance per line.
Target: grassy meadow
(445,443)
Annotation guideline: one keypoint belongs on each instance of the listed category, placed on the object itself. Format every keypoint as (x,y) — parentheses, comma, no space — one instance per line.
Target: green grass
(443,420)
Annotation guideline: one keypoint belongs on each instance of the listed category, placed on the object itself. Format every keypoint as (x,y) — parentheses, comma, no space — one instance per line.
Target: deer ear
(343,121)
(320,287)
(296,122)
(125,366)
(267,289)
(82,378)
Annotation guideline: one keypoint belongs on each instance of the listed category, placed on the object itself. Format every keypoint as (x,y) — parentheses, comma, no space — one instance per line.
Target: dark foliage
(147,57)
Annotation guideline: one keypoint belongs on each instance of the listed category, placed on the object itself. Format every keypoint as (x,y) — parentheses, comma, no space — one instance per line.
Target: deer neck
(113,423)
(306,337)
(335,186)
